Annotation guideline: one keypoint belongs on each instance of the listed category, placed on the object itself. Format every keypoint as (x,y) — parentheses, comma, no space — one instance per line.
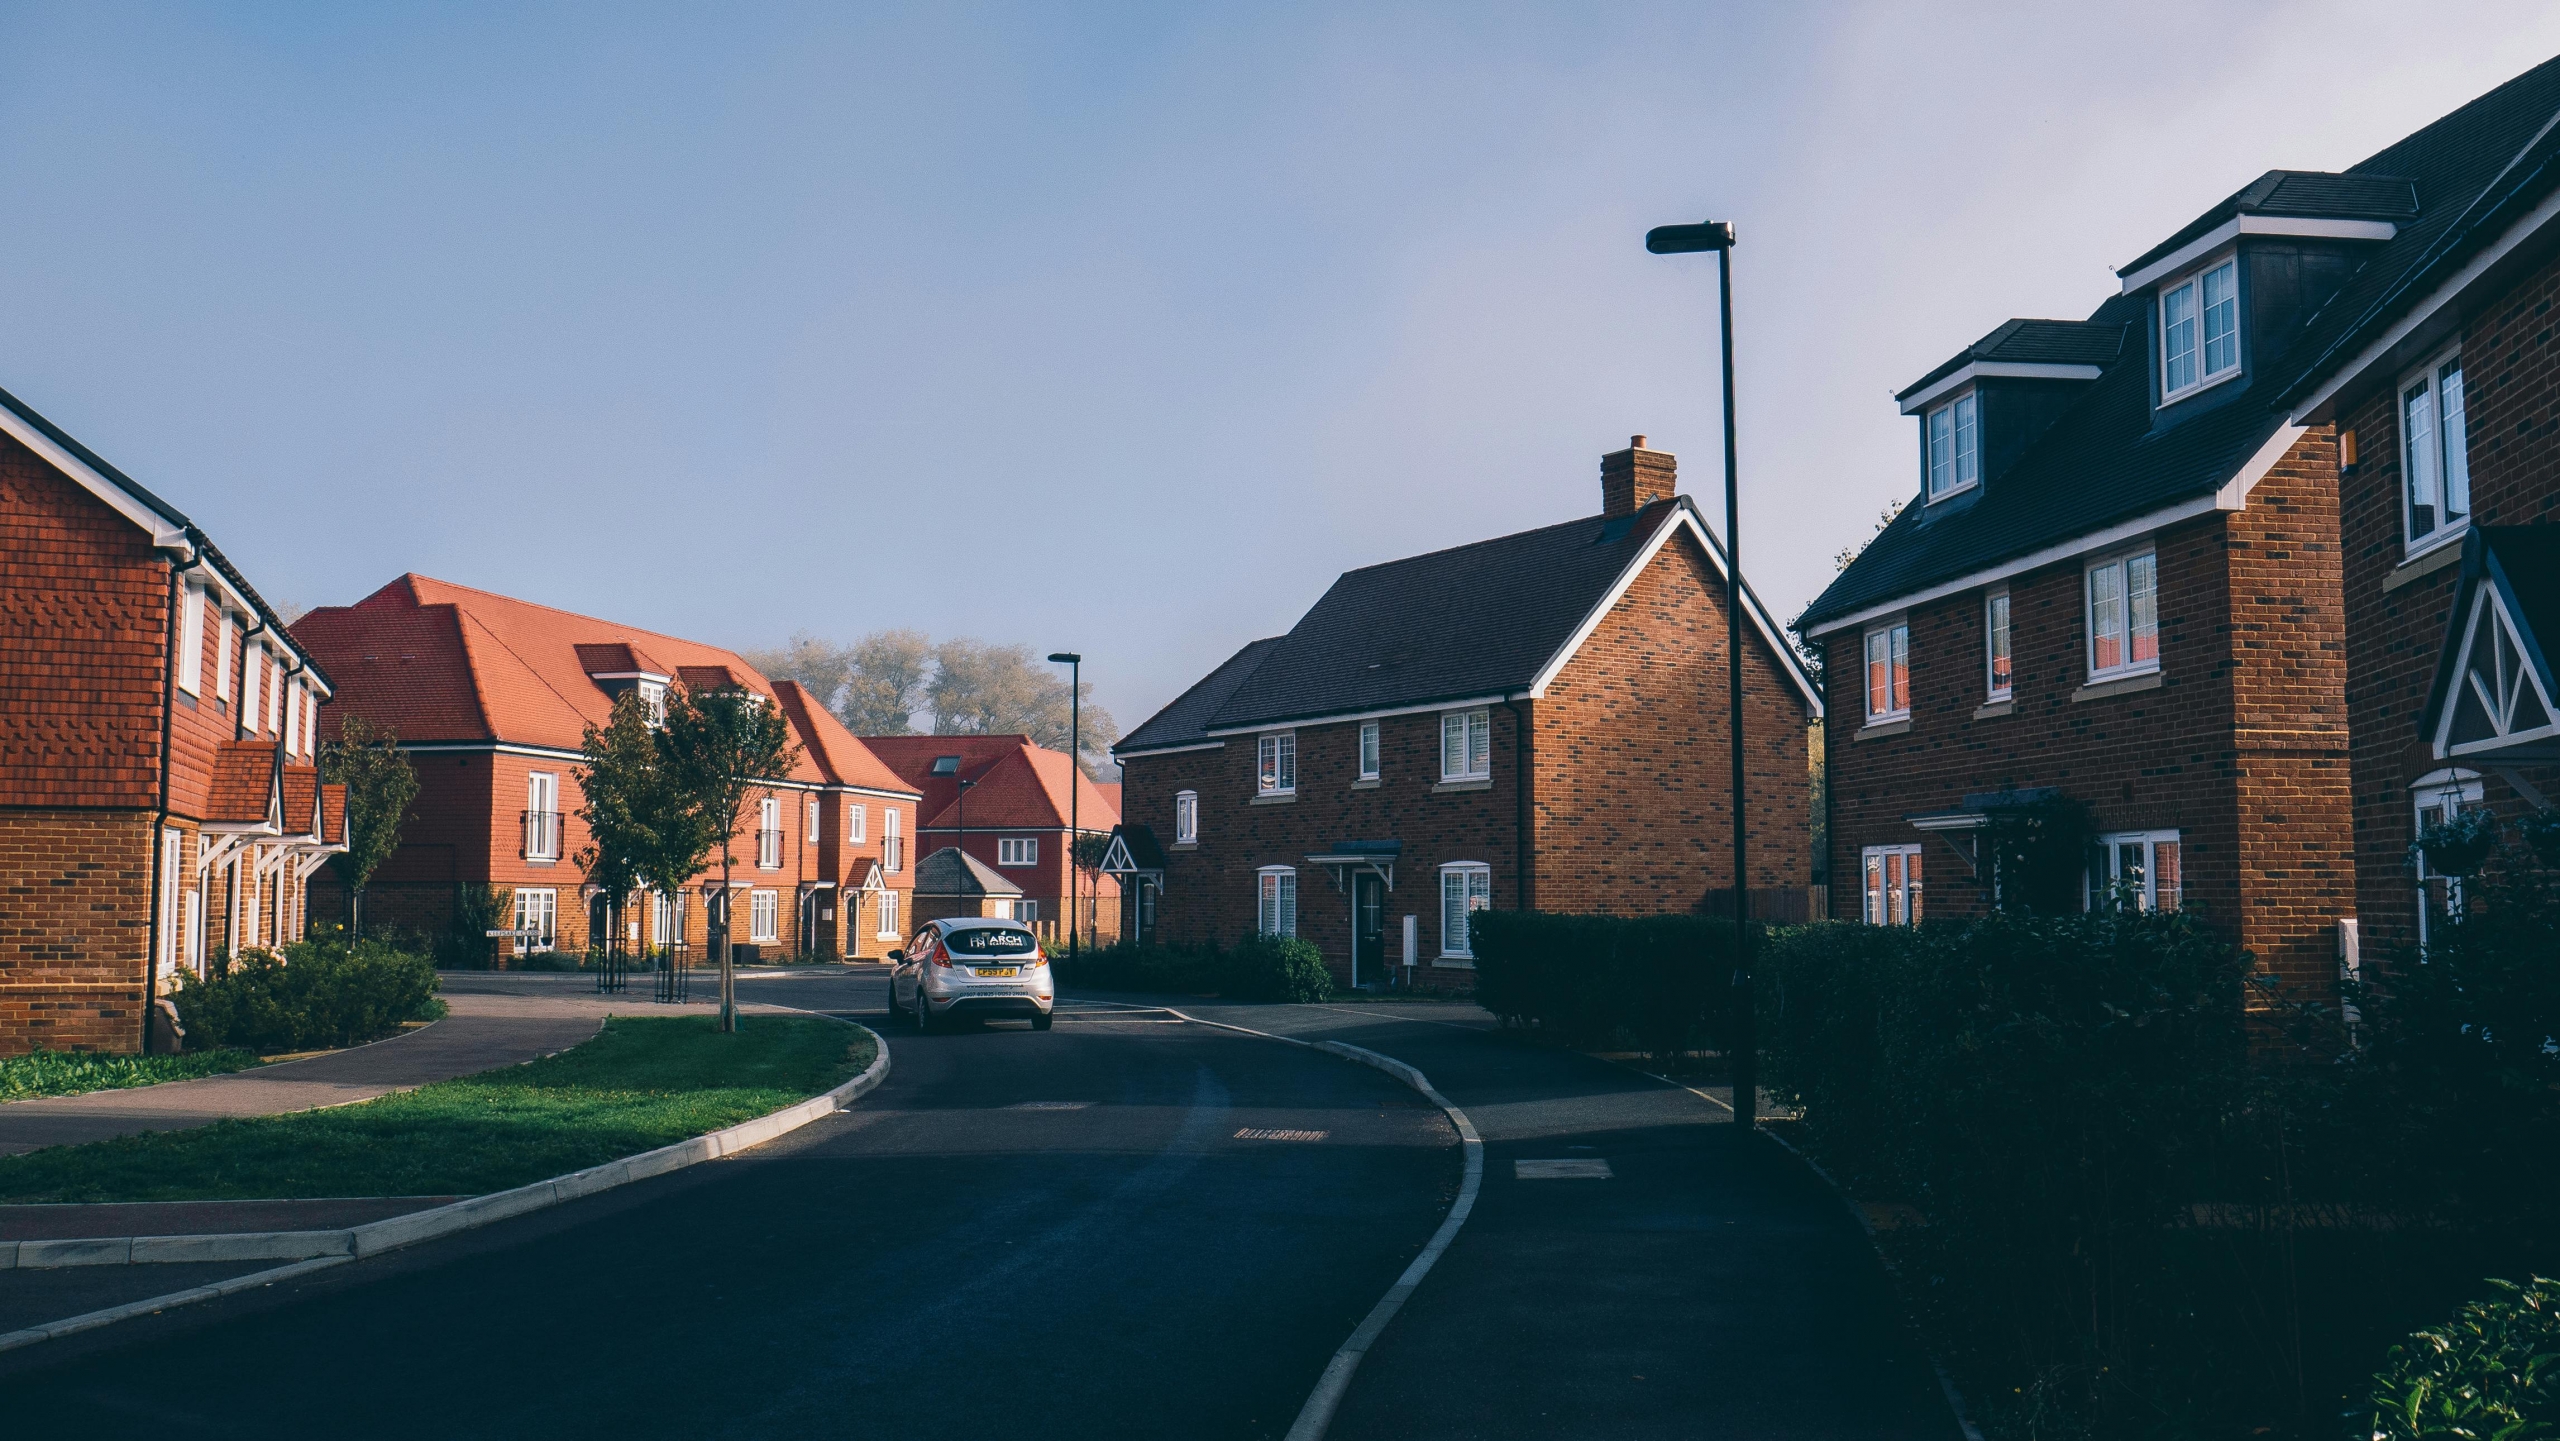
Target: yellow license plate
(1000,972)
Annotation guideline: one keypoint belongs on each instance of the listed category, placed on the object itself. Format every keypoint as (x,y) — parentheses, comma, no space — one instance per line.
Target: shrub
(1663,982)
(1278,968)
(2494,1370)
(327,992)
(477,910)
(1187,970)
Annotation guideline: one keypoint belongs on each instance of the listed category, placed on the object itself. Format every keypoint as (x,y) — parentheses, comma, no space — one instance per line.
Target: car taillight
(942,958)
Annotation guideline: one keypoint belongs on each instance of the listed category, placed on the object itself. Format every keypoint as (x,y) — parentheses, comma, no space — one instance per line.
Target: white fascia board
(2425,310)
(1463,703)
(875,791)
(1996,370)
(2239,225)
(1117,753)
(629,675)
(165,533)
(2233,495)
(1686,517)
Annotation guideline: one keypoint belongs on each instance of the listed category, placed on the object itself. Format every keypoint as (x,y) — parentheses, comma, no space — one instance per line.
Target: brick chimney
(1635,477)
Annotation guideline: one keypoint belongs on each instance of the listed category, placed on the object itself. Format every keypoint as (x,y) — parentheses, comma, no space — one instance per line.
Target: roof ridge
(529,668)
(415,576)
(1601,519)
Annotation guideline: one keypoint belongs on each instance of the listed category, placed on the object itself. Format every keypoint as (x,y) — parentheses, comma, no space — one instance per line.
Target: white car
(965,968)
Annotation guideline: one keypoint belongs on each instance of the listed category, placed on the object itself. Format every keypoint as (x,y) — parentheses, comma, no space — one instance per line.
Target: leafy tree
(380,784)
(643,832)
(722,748)
(981,689)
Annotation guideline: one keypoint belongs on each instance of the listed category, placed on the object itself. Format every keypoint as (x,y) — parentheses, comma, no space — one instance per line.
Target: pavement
(202,1218)
(493,1019)
(1065,1232)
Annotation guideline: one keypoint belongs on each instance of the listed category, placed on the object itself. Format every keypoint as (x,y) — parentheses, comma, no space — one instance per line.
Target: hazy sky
(1119,329)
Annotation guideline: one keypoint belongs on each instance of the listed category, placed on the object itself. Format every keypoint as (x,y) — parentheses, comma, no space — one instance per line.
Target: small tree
(640,830)
(380,786)
(722,749)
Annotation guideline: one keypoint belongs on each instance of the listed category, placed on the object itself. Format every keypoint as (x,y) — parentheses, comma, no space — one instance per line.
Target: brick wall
(2238,747)
(75,929)
(2397,610)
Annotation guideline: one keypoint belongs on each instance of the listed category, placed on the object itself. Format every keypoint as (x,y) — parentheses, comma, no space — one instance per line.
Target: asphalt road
(1018,1234)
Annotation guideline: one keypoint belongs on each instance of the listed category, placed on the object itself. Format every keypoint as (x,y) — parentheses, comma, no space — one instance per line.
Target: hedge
(1661,982)
(1256,968)
(2493,1371)
(316,993)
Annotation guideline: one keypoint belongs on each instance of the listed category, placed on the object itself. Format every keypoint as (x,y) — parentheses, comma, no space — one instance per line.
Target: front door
(1369,925)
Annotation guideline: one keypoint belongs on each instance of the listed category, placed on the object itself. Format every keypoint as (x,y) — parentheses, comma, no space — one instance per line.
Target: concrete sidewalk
(495,1019)
(1709,1286)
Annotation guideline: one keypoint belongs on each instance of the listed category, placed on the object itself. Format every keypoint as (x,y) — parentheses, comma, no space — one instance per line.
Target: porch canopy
(1969,819)
(1134,854)
(2492,700)
(1351,857)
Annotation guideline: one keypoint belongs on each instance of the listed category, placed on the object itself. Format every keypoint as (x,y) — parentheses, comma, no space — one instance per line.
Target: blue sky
(1121,329)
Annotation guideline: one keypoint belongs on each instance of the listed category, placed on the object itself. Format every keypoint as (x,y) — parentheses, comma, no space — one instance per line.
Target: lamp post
(1075,767)
(1717,235)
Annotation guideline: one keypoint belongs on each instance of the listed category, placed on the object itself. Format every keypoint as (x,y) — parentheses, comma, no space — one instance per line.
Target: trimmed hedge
(1257,968)
(317,993)
(1662,982)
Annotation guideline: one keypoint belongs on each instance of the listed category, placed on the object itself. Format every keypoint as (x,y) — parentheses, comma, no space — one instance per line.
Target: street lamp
(1075,766)
(1717,235)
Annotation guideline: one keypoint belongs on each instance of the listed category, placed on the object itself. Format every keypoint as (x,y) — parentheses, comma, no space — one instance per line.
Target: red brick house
(1535,721)
(2436,364)
(159,804)
(1015,816)
(491,695)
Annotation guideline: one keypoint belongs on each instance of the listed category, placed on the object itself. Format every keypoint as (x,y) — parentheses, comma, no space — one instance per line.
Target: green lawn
(641,1084)
(69,1073)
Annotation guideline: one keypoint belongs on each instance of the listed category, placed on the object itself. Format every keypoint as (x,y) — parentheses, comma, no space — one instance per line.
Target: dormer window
(653,701)
(1955,446)
(2200,331)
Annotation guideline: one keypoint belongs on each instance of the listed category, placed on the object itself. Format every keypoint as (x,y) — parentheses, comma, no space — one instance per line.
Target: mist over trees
(901,682)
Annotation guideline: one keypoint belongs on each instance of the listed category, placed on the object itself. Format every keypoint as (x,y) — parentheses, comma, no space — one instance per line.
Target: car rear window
(991,941)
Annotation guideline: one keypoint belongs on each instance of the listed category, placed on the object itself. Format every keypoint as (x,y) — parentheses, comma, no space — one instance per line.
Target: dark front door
(1369,927)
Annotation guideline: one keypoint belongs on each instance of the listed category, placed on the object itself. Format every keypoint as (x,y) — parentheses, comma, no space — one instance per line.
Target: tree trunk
(355,913)
(728,969)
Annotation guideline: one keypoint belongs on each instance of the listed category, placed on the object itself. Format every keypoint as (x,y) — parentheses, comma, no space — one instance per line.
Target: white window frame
(275,695)
(1472,731)
(1466,887)
(1186,818)
(1369,747)
(2122,565)
(1962,467)
(1275,764)
(542,795)
(887,929)
(2447,470)
(253,664)
(1891,885)
(653,701)
(293,719)
(1999,646)
(190,655)
(1893,637)
(2192,285)
(222,655)
(2110,861)
(1275,911)
(857,824)
(311,725)
(2439,795)
(764,916)
(769,833)
(537,910)
(173,843)
(816,808)
(1017,850)
(893,851)
(1025,911)
(666,918)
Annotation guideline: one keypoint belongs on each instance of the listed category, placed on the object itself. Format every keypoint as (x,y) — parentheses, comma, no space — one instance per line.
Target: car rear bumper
(991,1005)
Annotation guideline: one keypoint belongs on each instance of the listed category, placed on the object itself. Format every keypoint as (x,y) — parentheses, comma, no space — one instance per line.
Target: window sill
(2427,562)
(1454,963)
(1484,783)
(2200,387)
(1277,798)
(1878,730)
(2000,707)
(2121,685)
(1370,784)
(1184,846)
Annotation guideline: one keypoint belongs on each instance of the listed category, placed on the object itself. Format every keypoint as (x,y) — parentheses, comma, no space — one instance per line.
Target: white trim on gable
(2234,495)
(1994,370)
(165,533)
(1686,517)
(2239,225)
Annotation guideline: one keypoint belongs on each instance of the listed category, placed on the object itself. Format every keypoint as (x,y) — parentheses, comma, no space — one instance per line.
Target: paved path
(202,1218)
(496,1019)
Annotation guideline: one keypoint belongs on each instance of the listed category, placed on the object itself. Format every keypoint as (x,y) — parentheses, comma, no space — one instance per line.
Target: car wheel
(926,1025)
(897,1016)
(1041,1021)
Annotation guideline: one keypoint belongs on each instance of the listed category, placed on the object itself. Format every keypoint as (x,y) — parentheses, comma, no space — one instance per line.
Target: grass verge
(641,1084)
(72,1073)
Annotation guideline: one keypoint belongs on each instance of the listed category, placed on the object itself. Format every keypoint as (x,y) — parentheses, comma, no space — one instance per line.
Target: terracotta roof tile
(244,775)
(838,755)
(333,814)
(301,793)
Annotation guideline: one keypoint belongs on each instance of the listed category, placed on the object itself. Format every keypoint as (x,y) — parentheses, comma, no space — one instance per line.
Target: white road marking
(1264,1133)
(1572,1170)
(1048,1105)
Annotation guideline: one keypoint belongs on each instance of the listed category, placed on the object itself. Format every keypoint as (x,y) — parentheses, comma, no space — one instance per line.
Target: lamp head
(1065,657)
(1689,239)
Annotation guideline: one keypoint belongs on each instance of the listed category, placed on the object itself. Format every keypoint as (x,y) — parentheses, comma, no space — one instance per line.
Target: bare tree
(887,674)
(981,689)
(823,667)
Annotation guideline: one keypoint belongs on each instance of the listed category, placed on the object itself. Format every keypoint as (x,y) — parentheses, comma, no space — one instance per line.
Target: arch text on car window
(989,941)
